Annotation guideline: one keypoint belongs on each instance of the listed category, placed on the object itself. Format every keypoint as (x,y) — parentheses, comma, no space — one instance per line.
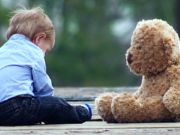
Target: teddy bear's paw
(125,108)
(103,106)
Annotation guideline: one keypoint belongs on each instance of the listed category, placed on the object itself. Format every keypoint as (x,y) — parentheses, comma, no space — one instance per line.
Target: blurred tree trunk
(177,16)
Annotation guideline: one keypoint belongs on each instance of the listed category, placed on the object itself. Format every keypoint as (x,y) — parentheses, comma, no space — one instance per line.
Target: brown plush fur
(154,54)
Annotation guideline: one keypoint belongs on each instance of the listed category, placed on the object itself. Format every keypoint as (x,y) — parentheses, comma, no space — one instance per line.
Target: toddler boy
(26,90)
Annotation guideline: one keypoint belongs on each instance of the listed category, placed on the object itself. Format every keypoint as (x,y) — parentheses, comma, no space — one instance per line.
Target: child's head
(32,23)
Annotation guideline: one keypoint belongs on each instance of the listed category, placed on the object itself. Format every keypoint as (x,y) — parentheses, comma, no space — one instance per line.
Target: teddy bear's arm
(171,98)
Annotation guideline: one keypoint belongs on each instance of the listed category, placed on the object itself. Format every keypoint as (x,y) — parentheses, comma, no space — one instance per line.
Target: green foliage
(87,55)
(3,22)
(149,9)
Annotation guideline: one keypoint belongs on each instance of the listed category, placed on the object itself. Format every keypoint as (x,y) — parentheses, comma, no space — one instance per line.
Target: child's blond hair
(30,22)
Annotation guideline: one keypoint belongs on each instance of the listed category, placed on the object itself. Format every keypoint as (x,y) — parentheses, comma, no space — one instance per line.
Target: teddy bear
(153,54)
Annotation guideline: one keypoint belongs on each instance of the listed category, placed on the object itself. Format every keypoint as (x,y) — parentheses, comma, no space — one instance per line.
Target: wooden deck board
(78,96)
(88,93)
(96,128)
(93,125)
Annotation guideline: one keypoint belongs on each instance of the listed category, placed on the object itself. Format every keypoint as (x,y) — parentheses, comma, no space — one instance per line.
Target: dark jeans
(31,110)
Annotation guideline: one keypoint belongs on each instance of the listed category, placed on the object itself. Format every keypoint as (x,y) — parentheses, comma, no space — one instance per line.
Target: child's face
(44,44)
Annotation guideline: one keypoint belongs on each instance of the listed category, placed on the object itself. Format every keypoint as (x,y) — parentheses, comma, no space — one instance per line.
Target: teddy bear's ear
(170,42)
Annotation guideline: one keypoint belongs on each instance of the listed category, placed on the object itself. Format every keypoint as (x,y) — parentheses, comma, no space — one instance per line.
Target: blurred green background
(92,37)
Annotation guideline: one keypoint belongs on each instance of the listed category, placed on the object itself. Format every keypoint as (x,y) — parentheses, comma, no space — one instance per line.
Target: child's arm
(42,82)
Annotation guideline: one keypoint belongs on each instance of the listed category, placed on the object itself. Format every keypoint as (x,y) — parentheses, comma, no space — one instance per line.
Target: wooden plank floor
(95,128)
(77,96)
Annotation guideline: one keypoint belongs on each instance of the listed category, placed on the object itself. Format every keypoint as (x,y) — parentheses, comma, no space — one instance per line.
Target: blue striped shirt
(23,69)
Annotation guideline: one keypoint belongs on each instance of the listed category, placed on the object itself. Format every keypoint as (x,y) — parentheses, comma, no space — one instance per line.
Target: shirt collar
(19,36)
(23,37)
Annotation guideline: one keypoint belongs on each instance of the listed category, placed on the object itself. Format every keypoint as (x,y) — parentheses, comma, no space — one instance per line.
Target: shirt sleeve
(42,82)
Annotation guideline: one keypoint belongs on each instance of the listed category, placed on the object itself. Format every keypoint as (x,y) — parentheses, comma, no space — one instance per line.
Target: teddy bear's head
(154,46)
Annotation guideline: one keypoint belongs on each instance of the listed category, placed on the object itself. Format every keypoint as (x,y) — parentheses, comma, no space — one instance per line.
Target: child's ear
(38,38)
